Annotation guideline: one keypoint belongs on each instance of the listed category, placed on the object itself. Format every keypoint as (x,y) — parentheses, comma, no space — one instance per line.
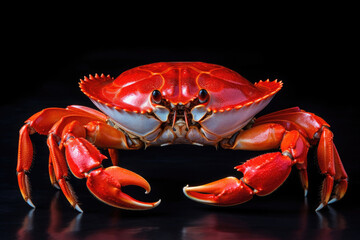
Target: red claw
(106,185)
(266,172)
(262,175)
(84,160)
(224,192)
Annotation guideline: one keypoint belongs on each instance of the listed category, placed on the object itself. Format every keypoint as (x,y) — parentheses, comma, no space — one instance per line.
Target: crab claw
(262,175)
(105,184)
(224,192)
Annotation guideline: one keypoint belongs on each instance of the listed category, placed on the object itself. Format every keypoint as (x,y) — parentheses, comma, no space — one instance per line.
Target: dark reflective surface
(178,221)
(284,214)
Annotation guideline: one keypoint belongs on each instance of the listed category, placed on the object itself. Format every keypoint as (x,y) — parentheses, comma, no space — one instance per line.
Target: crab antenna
(174,120)
(186,120)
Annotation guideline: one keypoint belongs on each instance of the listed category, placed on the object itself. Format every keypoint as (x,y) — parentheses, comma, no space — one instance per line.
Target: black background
(49,50)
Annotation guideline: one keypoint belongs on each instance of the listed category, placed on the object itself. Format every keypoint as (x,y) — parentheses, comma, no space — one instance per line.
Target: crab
(179,103)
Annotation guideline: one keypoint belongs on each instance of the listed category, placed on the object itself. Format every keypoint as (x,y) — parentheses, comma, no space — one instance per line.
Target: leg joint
(288,154)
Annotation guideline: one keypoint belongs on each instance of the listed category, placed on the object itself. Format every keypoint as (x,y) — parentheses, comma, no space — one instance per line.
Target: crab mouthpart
(180,113)
(162,113)
(187,114)
(198,112)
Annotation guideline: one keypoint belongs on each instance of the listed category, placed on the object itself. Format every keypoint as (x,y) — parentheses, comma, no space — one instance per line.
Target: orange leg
(72,133)
(341,179)
(308,124)
(25,155)
(331,166)
(52,173)
(40,122)
(61,171)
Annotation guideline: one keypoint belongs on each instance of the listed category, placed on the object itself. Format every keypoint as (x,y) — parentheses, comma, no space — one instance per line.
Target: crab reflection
(73,229)
(55,230)
(212,227)
(209,226)
(24,232)
(330,222)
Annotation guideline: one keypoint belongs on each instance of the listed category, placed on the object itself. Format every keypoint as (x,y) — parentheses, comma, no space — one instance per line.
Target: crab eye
(156,96)
(203,96)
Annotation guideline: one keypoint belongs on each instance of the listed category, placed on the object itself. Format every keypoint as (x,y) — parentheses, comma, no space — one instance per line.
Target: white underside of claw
(186,188)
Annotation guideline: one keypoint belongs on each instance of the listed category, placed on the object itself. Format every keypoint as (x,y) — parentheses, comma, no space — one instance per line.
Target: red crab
(180,103)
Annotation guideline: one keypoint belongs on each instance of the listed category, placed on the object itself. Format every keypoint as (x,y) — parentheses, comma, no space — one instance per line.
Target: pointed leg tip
(332,200)
(30,203)
(306,192)
(77,207)
(321,206)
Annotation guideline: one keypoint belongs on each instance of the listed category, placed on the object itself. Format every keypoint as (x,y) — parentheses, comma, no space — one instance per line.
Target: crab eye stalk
(203,96)
(156,96)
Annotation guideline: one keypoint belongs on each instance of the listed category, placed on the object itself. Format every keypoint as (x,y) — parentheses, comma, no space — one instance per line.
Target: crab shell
(233,101)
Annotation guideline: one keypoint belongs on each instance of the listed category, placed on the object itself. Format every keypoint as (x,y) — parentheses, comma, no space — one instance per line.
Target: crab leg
(331,166)
(61,171)
(341,177)
(25,155)
(67,130)
(52,173)
(41,123)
